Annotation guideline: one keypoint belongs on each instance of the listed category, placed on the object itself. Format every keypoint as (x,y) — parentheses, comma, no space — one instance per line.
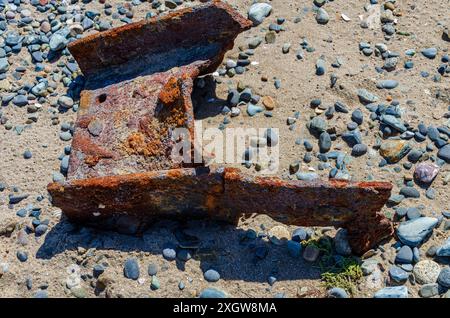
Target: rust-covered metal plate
(139,80)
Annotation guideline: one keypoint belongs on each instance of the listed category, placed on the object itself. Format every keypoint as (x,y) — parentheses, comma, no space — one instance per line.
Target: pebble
(57,42)
(300,234)
(444,277)
(430,52)
(211,275)
(366,97)
(65,102)
(404,255)
(65,136)
(212,293)
(311,253)
(322,16)
(258,12)
(155,284)
(4,65)
(22,256)
(426,271)
(337,292)
(341,243)
(444,250)
(40,229)
(20,100)
(394,150)
(253,109)
(429,290)
(409,192)
(359,150)
(387,84)
(131,269)
(27,154)
(444,153)
(152,269)
(324,142)
(398,275)
(320,67)
(169,254)
(41,294)
(392,292)
(414,232)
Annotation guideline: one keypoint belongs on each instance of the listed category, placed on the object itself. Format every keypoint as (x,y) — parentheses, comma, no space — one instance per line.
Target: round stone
(152,269)
(65,102)
(426,271)
(211,275)
(169,254)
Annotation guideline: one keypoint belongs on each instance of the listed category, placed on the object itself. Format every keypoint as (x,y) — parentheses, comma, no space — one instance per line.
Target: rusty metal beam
(138,89)
(227,194)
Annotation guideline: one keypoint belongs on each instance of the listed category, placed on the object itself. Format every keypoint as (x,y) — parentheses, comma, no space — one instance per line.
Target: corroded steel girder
(138,89)
(227,194)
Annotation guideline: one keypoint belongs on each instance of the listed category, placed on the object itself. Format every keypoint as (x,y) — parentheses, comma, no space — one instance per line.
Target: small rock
(311,253)
(426,271)
(429,290)
(413,232)
(404,255)
(444,277)
(131,269)
(212,293)
(392,292)
(322,16)
(211,275)
(341,243)
(337,292)
(426,172)
(394,150)
(258,12)
(430,52)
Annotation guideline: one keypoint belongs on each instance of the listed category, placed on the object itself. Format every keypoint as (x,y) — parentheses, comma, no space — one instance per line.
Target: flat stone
(212,293)
(392,292)
(429,290)
(413,232)
(394,150)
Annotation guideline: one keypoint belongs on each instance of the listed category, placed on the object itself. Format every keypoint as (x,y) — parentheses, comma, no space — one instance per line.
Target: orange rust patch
(136,144)
(171,92)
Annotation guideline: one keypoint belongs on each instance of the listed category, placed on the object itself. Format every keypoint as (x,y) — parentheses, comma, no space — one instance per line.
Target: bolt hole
(101,98)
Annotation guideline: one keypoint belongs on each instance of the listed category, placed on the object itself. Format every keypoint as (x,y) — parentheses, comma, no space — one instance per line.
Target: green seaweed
(344,273)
